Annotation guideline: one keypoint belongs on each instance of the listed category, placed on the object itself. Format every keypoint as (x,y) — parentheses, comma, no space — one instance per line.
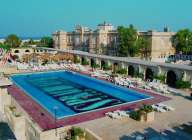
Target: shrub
(160,77)
(182,84)
(76,60)
(106,67)
(135,115)
(147,108)
(95,66)
(122,71)
(85,62)
(77,132)
(138,75)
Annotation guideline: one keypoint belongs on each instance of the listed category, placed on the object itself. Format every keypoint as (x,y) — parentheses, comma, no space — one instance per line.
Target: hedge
(182,84)
(85,62)
(122,71)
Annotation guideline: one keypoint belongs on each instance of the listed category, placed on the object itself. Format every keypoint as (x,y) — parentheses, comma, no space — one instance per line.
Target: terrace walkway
(120,59)
(171,124)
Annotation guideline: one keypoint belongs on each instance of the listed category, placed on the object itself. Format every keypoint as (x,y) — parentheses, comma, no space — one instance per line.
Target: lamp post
(55,115)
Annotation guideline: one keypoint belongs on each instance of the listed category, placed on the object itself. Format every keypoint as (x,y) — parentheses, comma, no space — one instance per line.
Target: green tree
(94,65)
(127,41)
(46,42)
(183,41)
(85,62)
(143,47)
(12,41)
(183,84)
(76,59)
(3,46)
(123,47)
(29,42)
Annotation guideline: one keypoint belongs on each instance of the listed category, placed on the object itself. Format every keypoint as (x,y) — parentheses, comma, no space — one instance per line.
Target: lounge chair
(158,109)
(122,113)
(166,107)
(113,115)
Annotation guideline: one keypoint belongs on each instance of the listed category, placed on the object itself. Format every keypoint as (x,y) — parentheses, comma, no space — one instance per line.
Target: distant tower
(166,29)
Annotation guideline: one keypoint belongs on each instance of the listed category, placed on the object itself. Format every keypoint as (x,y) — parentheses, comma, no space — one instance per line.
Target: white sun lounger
(158,109)
(113,115)
(168,108)
(122,113)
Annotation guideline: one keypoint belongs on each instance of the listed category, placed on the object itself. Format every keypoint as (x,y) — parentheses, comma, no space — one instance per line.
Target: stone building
(104,40)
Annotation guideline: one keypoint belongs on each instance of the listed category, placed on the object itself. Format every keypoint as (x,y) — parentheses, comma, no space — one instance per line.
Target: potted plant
(149,116)
(77,133)
(145,113)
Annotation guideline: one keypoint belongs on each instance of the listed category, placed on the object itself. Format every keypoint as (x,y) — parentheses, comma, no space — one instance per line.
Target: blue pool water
(73,93)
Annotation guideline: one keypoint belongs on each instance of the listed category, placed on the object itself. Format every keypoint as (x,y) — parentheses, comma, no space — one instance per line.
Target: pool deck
(167,126)
(47,122)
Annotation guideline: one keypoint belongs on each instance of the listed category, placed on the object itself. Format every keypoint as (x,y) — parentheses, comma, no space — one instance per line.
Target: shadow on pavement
(5,132)
(181,132)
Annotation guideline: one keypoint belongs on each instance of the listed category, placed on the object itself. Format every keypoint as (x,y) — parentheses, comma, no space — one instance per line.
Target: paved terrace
(46,121)
(170,123)
(121,59)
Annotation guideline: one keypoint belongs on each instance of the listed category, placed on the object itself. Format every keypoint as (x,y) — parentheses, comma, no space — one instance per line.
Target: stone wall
(162,45)
(91,136)
(5,99)
(60,39)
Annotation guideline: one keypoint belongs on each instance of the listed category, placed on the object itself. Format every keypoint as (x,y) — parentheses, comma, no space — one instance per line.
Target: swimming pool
(73,93)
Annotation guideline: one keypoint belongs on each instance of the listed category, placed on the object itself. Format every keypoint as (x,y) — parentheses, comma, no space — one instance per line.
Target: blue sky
(42,17)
